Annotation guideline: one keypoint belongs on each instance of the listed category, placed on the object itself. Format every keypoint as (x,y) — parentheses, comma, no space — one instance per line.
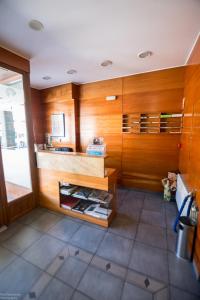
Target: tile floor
(46,255)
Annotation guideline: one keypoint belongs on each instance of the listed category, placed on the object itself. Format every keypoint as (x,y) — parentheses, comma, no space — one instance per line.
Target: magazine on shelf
(100,196)
(82,206)
(68,189)
(82,193)
(95,210)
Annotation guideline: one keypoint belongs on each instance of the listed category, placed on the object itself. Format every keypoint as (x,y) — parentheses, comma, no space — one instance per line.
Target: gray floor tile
(10,231)
(171,240)
(100,285)
(154,204)
(6,257)
(150,261)
(153,218)
(79,296)
(71,271)
(124,226)
(182,275)
(108,266)
(45,221)
(152,235)
(115,248)
(64,229)
(131,292)
(43,251)
(135,194)
(88,238)
(171,207)
(144,281)
(22,239)
(31,216)
(56,290)
(170,219)
(18,277)
(163,294)
(177,294)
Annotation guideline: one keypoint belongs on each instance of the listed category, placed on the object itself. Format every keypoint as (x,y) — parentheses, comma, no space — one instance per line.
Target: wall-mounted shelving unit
(152,123)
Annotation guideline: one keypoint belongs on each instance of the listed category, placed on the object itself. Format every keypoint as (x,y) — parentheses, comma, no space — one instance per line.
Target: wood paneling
(11,59)
(37,116)
(99,117)
(146,158)
(63,99)
(190,139)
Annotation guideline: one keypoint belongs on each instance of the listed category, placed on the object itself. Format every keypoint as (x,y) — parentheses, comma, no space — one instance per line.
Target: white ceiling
(80,34)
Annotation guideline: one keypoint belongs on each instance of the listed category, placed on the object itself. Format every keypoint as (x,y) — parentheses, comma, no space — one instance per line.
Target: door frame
(16,208)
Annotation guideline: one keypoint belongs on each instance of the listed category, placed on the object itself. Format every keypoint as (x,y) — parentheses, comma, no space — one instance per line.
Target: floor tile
(144,281)
(152,235)
(43,251)
(100,285)
(31,216)
(150,261)
(10,231)
(177,294)
(154,204)
(124,226)
(171,240)
(56,290)
(171,207)
(38,287)
(6,257)
(71,271)
(18,277)
(79,296)
(64,229)
(108,266)
(115,248)
(163,294)
(170,218)
(153,218)
(182,275)
(45,221)
(87,238)
(131,292)
(22,239)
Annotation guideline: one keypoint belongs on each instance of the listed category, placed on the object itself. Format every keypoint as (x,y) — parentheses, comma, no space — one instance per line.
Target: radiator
(181,193)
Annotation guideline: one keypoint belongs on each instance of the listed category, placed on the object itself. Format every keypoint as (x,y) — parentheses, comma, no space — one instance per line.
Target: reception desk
(78,169)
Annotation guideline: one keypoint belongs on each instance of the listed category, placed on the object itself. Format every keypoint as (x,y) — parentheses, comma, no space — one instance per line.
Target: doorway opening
(13,135)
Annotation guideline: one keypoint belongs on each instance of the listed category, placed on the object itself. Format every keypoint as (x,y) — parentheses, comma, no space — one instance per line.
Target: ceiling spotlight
(71,72)
(46,77)
(36,25)
(145,54)
(106,63)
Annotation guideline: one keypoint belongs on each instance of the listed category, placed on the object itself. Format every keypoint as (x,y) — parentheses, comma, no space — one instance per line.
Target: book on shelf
(68,189)
(95,210)
(82,206)
(82,193)
(69,203)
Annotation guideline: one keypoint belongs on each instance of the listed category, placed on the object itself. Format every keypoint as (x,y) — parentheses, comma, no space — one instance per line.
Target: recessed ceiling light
(71,72)
(145,54)
(36,25)
(106,63)
(46,77)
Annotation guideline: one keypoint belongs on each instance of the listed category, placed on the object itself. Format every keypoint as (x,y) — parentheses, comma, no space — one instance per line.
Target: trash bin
(186,231)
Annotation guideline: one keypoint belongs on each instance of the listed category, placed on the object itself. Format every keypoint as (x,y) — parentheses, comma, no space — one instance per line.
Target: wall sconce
(111,98)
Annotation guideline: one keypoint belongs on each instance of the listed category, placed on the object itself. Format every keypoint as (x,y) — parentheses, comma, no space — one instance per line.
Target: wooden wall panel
(147,158)
(63,99)
(38,117)
(10,59)
(99,117)
(190,139)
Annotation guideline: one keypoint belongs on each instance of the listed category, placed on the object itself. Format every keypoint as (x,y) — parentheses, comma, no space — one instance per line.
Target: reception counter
(55,167)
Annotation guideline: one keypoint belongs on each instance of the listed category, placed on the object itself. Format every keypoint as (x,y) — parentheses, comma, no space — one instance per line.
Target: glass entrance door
(13,134)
